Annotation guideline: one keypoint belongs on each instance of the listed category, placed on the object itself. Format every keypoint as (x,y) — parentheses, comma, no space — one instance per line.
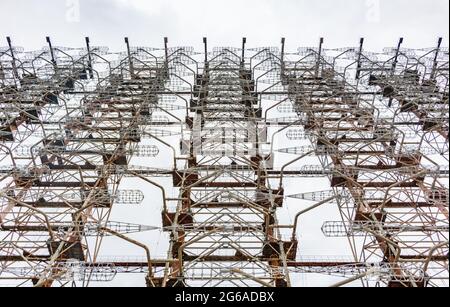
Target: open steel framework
(72,120)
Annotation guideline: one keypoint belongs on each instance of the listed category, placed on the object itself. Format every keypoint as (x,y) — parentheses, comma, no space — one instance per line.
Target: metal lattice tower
(76,123)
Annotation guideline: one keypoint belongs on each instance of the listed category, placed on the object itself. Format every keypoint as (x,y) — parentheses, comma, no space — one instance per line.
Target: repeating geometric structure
(77,122)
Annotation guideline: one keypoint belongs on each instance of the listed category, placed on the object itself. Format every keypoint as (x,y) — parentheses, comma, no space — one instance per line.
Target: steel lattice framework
(77,122)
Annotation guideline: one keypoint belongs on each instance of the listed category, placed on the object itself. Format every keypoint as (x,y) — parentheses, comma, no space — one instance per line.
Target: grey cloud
(341,22)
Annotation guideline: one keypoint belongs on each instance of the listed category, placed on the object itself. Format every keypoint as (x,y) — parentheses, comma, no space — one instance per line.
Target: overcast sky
(302,22)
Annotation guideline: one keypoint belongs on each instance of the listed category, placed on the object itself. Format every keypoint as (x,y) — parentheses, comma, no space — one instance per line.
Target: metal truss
(76,123)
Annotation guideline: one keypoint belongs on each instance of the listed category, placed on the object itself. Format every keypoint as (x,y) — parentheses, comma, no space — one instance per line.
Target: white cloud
(302,22)
(149,7)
